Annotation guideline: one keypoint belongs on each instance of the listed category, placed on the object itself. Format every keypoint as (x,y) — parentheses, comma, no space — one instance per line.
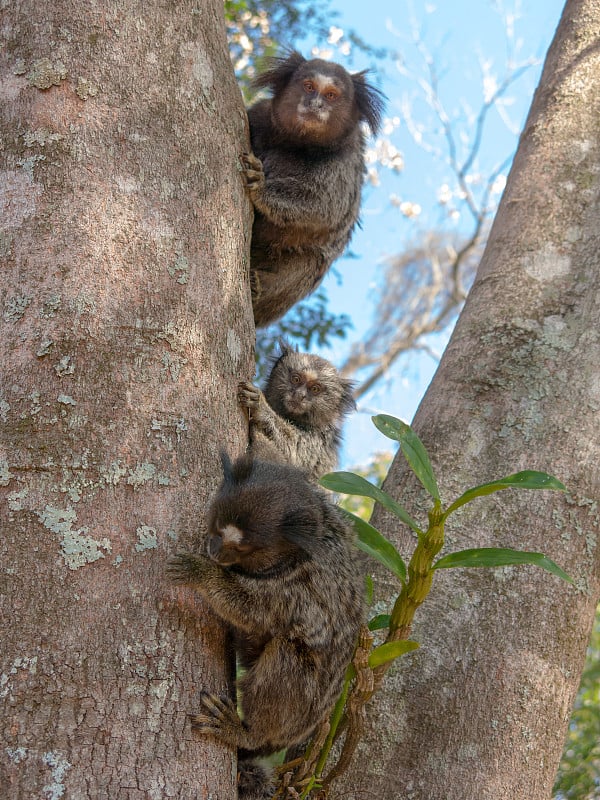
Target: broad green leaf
(413,449)
(389,651)
(379,622)
(499,557)
(374,544)
(349,483)
(528,479)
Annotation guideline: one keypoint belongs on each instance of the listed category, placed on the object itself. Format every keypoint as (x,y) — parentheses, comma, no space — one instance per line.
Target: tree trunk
(126,323)
(480,711)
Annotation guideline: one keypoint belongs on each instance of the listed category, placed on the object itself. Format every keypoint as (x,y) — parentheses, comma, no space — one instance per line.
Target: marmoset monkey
(304,175)
(282,570)
(298,419)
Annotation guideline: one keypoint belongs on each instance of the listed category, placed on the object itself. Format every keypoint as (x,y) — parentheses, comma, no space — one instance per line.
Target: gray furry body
(298,419)
(282,571)
(304,175)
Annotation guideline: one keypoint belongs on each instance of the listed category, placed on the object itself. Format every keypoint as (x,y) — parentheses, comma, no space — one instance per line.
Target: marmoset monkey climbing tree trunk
(480,711)
(126,323)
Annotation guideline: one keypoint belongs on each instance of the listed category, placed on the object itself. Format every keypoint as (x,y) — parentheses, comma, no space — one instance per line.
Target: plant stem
(420,576)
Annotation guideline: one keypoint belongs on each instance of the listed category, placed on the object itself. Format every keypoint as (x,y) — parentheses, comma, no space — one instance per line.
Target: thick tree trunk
(480,711)
(126,323)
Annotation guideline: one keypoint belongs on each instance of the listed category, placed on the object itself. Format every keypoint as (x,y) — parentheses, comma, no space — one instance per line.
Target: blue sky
(460,37)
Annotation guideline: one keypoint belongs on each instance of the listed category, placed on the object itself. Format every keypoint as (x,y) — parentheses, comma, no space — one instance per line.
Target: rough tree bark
(480,712)
(126,322)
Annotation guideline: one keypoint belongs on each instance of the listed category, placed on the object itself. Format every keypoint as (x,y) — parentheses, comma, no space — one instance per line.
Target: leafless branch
(423,289)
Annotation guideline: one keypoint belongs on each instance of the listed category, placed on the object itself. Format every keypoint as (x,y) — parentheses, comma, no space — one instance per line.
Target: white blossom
(499,184)
(335,34)
(410,210)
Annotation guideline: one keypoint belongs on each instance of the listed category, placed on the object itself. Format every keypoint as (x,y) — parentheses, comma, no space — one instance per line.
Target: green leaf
(413,449)
(528,479)
(374,544)
(389,651)
(369,590)
(379,622)
(499,557)
(349,483)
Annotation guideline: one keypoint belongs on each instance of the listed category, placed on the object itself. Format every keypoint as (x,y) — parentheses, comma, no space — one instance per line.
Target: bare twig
(424,288)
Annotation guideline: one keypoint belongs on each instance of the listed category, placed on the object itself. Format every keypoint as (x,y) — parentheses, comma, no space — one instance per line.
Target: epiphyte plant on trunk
(306,777)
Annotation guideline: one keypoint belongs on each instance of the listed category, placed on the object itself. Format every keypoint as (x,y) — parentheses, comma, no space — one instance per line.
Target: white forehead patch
(323,81)
(231,534)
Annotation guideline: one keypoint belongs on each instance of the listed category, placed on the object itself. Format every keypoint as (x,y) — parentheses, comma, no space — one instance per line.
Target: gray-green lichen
(51,306)
(66,400)
(64,367)
(83,304)
(15,499)
(141,474)
(180,266)
(4,409)
(86,88)
(28,165)
(147,538)
(16,754)
(59,767)
(5,473)
(172,365)
(36,406)
(41,136)
(44,348)
(14,307)
(112,474)
(77,548)
(21,662)
(72,492)
(44,74)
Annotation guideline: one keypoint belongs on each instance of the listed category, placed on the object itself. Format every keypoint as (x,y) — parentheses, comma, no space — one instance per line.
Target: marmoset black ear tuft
(238,471)
(348,403)
(226,465)
(279,71)
(370,101)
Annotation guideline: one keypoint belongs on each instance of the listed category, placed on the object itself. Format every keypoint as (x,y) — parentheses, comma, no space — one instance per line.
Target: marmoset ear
(285,347)
(369,100)
(279,71)
(237,472)
(302,527)
(226,465)
(347,401)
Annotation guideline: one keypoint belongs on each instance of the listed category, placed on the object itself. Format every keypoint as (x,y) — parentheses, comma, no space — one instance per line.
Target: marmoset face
(308,390)
(253,521)
(303,391)
(317,103)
